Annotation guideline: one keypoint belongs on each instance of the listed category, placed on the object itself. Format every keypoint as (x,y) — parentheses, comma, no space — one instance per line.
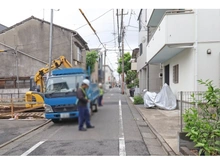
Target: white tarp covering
(165,99)
(149,98)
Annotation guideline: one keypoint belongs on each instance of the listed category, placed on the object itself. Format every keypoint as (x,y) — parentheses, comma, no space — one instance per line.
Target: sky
(103,20)
(100,13)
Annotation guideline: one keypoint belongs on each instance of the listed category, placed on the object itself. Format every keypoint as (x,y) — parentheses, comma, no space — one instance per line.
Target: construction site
(24,64)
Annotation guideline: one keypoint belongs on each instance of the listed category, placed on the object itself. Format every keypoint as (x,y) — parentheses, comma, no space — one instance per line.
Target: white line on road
(122,151)
(32,148)
(38,144)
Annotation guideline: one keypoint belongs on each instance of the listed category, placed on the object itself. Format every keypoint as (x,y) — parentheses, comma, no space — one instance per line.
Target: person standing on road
(101,93)
(82,107)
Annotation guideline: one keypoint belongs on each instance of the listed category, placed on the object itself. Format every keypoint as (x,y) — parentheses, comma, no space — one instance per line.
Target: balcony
(174,33)
(154,16)
(134,66)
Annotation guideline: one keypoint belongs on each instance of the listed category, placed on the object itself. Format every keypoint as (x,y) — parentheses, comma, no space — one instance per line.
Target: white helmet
(100,84)
(85,81)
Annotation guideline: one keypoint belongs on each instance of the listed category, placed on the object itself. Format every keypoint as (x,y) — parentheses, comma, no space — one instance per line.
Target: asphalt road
(116,133)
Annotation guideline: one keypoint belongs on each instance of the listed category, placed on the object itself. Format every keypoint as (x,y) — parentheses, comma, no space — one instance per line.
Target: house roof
(139,14)
(32,17)
(2,27)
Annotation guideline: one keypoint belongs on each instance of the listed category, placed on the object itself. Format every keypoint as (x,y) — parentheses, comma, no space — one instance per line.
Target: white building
(109,76)
(186,44)
(149,74)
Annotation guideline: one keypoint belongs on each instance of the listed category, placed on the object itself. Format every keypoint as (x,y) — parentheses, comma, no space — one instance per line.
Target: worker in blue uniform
(83,100)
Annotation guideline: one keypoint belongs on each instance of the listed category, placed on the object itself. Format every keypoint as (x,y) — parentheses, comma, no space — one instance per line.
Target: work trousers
(84,117)
(100,100)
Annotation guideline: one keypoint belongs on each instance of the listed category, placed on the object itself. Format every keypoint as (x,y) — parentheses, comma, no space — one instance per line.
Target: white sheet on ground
(149,99)
(165,99)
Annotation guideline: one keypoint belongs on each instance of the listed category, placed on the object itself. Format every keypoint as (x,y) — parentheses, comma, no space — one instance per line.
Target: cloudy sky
(100,13)
(103,20)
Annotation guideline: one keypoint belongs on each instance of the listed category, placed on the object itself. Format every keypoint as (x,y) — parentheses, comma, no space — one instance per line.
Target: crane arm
(38,78)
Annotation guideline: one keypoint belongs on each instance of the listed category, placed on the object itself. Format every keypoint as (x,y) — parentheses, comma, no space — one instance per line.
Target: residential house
(97,76)
(109,77)
(149,74)
(134,56)
(187,45)
(2,27)
(27,43)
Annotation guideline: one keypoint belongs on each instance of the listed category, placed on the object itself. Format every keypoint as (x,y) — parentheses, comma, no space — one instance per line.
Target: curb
(160,139)
(186,152)
(20,136)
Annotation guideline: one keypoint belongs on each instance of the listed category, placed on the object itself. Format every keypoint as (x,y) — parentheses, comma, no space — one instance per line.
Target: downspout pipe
(196,52)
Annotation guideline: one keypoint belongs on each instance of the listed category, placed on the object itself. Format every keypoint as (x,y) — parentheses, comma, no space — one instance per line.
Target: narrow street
(119,131)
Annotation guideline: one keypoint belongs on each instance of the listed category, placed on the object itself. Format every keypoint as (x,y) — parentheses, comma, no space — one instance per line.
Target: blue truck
(60,94)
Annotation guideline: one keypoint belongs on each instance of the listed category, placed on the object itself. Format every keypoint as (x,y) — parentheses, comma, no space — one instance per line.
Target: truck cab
(60,95)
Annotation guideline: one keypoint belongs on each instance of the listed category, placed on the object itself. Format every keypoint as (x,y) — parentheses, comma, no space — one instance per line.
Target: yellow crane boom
(35,99)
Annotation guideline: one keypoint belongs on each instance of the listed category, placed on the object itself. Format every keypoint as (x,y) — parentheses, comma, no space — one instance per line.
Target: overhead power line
(94,19)
(91,27)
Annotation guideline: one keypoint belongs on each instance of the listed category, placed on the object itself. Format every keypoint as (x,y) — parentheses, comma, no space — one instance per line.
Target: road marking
(39,143)
(32,148)
(122,151)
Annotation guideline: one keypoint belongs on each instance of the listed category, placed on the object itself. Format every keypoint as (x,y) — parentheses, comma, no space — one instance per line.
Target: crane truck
(34,98)
(60,94)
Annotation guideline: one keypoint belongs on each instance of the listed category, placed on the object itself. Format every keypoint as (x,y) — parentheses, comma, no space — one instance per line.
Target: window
(140,48)
(176,74)
(79,54)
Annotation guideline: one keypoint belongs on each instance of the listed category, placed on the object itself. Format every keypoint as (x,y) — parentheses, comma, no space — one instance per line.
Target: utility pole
(122,51)
(16,56)
(104,65)
(51,33)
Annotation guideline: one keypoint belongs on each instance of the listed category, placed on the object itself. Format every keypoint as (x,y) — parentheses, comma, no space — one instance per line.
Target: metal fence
(185,101)
(8,97)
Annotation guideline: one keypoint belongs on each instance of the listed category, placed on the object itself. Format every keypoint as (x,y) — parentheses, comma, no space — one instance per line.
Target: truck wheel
(55,120)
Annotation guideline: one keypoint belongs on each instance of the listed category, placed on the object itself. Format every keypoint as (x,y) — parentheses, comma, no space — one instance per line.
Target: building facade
(149,74)
(27,45)
(109,77)
(186,43)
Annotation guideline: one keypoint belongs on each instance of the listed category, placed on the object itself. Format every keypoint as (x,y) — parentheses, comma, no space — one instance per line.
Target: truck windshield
(68,83)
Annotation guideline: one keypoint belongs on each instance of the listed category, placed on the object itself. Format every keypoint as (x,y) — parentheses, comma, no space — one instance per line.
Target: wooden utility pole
(104,65)
(122,52)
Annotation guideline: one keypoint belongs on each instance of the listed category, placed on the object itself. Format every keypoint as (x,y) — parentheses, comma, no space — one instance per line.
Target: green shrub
(130,85)
(204,128)
(138,100)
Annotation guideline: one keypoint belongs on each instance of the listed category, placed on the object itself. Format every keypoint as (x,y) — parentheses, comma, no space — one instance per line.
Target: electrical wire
(94,19)
(110,40)
(92,28)
(130,18)
(141,21)
(127,43)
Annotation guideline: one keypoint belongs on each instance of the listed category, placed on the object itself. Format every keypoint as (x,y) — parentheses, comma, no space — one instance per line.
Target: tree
(131,76)
(131,79)
(127,64)
(91,58)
